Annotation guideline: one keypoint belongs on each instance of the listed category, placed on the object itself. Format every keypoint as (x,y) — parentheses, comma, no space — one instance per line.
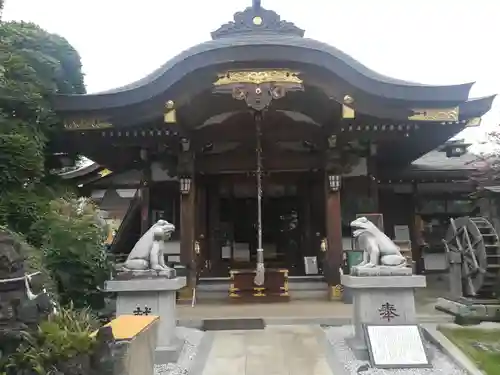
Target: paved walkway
(276,350)
(295,309)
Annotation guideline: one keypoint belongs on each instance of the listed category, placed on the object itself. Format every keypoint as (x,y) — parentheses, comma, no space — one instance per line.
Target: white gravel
(342,354)
(192,339)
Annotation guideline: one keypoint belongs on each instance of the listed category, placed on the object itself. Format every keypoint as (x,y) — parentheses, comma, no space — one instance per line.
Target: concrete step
(300,287)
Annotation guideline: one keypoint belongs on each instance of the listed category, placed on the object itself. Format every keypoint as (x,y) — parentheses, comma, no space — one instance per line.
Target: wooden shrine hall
(261,146)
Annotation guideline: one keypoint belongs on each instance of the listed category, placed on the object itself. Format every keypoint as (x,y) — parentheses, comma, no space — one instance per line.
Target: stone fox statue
(378,249)
(147,253)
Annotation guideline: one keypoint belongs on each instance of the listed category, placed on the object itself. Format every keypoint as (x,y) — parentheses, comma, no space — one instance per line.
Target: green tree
(34,65)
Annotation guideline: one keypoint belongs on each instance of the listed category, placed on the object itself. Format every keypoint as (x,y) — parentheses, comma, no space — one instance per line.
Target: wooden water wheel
(475,239)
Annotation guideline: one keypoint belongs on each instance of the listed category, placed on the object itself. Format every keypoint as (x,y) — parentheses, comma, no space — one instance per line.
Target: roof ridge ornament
(256,19)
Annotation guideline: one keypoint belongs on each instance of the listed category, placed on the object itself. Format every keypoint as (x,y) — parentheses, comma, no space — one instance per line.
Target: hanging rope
(260,271)
(26,278)
(20,278)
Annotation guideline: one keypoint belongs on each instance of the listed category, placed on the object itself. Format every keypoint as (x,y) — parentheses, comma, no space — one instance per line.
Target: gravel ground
(345,358)
(192,339)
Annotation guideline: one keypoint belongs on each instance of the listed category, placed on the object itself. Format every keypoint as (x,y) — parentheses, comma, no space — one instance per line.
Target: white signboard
(226,252)
(311,265)
(241,252)
(396,346)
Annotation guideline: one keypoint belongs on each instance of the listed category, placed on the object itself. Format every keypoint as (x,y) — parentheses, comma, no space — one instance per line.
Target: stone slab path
(276,350)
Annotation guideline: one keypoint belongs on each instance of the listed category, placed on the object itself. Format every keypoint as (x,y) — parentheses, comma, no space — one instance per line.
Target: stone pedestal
(152,296)
(387,300)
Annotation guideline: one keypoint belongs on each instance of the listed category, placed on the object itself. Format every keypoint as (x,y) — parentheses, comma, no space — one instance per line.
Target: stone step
(300,287)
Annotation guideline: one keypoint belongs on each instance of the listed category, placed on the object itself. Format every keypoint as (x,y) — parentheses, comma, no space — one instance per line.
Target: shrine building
(261,145)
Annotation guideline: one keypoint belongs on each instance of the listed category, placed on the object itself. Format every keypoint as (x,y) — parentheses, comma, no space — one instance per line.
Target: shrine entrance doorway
(280,233)
(232,223)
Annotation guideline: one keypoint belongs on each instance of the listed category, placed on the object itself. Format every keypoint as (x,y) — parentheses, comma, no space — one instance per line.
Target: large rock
(17,311)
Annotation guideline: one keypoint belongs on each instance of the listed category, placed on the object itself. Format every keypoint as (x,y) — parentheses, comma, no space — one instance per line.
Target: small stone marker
(396,346)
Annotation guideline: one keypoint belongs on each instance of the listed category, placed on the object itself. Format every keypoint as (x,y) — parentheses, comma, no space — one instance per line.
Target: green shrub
(74,252)
(62,339)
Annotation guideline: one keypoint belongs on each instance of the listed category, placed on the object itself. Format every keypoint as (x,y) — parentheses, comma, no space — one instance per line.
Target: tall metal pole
(260,271)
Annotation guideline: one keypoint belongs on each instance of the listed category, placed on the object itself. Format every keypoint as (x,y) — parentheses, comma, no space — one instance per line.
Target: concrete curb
(202,353)
(447,347)
(333,363)
(327,321)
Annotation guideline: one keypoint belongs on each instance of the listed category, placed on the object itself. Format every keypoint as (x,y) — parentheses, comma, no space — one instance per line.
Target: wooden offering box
(243,288)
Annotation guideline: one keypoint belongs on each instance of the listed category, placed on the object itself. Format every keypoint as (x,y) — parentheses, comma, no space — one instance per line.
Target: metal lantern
(324,245)
(334,182)
(185,183)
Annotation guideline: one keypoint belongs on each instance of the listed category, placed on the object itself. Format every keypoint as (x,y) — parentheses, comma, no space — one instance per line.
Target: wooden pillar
(188,200)
(333,255)
(372,181)
(306,193)
(214,226)
(416,231)
(187,190)
(144,193)
(201,224)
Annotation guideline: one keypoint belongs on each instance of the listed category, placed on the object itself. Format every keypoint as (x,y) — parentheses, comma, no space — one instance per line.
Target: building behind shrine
(324,137)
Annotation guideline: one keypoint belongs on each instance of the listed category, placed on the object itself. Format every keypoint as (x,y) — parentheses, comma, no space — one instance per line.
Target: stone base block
(468,311)
(387,300)
(383,282)
(125,274)
(381,271)
(168,354)
(155,296)
(139,284)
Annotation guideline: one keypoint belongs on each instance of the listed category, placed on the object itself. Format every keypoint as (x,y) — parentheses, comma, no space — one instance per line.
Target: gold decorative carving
(258,88)
(258,77)
(336,291)
(105,172)
(170,116)
(86,124)
(348,112)
(435,114)
(348,99)
(476,121)
(257,21)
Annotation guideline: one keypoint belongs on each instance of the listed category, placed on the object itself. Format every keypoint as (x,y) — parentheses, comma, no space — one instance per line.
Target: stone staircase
(300,288)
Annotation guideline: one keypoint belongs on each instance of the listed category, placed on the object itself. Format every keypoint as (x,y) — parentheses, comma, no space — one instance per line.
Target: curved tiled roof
(268,39)
(82,170)
(438,161)
(279,41)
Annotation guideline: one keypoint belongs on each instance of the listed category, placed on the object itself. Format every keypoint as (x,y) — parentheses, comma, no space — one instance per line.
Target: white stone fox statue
(378,249)
(147,253)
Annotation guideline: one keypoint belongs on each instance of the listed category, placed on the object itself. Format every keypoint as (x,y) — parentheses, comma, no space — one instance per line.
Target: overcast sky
(429,41)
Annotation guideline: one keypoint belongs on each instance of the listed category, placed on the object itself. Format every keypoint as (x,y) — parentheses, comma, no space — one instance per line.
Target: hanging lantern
(324,245)
(334,182)
(185,185)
